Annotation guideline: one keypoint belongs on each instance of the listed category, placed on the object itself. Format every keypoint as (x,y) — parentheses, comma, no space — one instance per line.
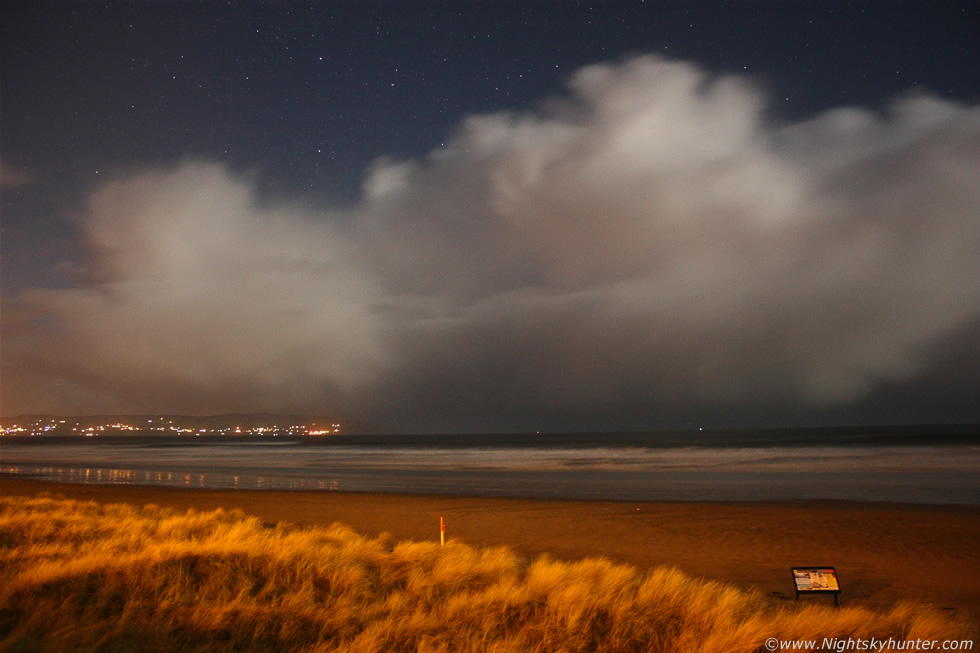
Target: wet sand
(884,553)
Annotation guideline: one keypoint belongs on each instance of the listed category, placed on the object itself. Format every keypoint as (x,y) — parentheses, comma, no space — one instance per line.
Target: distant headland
(155,423)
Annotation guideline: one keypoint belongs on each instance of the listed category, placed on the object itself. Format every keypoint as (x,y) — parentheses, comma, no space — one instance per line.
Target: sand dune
(883,553)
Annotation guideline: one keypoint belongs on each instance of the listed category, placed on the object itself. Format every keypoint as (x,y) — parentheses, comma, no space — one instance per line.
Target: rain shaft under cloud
(652,244)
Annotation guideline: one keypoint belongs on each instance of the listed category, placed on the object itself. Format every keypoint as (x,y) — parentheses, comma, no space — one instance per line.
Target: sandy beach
(884,553)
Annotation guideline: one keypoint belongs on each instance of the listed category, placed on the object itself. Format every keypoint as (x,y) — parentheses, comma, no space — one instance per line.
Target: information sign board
(816,580)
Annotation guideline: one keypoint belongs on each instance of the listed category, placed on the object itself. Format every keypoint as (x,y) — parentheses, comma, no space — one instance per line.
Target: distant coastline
(290,424)
(360,433)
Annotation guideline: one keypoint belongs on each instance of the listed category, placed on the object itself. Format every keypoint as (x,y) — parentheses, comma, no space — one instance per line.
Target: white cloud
(197,288)
(651,241)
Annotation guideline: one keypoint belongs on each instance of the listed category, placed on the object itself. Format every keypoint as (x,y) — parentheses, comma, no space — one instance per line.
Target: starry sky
(493,216)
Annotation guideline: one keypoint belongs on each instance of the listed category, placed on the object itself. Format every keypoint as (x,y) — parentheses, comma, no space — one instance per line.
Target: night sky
(493,216)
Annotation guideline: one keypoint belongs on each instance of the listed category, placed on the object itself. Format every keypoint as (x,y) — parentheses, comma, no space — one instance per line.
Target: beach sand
(884,553)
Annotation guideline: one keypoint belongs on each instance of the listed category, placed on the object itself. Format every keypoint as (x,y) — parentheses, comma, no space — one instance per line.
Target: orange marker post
(442,531)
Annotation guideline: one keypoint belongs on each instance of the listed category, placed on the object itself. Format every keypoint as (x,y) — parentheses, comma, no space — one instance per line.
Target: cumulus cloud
(197,296)
(650,243)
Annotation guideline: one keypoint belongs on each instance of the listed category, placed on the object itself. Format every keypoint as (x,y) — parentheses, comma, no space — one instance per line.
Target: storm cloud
(653,243)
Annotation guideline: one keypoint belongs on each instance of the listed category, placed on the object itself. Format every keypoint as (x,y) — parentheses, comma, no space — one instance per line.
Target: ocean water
(891,466)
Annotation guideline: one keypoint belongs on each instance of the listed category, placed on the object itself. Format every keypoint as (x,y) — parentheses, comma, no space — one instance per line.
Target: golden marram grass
(114,577)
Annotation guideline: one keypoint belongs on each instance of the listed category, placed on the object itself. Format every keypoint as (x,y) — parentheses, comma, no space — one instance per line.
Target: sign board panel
(816,580)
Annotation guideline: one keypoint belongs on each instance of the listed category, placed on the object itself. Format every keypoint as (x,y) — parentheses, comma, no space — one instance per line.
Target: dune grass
(80,576)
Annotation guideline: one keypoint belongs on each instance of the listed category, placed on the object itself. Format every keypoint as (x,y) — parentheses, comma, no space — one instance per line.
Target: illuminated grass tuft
(84,576)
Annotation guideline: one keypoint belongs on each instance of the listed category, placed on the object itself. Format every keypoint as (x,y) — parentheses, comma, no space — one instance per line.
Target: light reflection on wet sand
(110,476)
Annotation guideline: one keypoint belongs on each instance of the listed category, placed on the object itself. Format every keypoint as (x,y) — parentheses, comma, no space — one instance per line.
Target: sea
(900,464)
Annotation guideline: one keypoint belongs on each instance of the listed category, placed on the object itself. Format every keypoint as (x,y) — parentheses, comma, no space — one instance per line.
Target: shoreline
(884,553)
